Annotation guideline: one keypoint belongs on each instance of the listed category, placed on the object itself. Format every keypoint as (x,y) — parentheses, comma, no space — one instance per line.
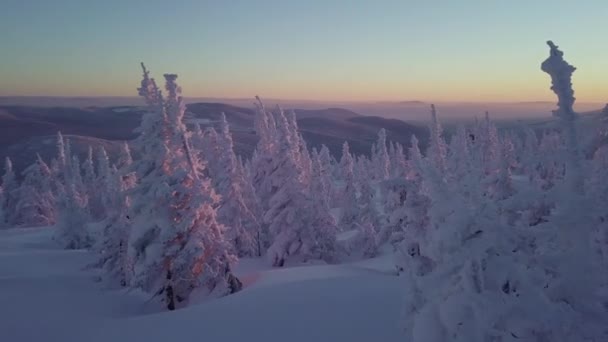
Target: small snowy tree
(71,228)
(36,205)
(9,196)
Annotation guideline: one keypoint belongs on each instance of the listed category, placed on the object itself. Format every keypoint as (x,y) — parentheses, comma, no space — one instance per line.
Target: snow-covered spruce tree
(61,160)
(104,173)
(399,166)
(9,196)
(305,161)
(349,205)
(265,153)
(92,188)
(327,163)
(529,154)
(490,145)
(499,182)
(414,211)
(72,218)
(123,165)
(459,155)
(210,150)
(329,169)
(381,161)
(244,227)
(36,205)
(71,203)
(597,188)
(550,169)
(112,247)
(321,183)
(561,74)
(297,224)
(321,239)
(574,271)
(79,186)
(176,244)
(400,193)
(243,222)
(437,150)
(371,232)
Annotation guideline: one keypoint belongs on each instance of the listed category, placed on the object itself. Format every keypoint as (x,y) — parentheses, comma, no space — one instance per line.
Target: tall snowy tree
(237,211)
(176,245)
(381,161)
(289,212)
(349,204)
(9,196)
(112,247)
(92,188)
(437,149)
(265,154)
(577,277)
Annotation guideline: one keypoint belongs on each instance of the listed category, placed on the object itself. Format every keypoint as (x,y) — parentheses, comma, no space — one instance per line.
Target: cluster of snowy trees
(499,236)
(505,236)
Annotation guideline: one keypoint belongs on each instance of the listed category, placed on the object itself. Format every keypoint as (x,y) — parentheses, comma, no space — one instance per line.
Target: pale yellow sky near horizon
(397,50)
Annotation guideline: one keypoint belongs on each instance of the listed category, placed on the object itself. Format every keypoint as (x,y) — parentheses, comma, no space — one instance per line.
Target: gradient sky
(455,50)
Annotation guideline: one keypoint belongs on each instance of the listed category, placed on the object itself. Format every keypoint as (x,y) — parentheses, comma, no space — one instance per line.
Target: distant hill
(26,130)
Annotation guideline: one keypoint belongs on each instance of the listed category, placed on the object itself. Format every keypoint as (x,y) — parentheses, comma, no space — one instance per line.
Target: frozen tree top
(561,78)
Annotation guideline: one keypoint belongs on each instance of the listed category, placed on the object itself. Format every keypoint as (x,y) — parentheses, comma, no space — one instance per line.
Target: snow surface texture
(47,295)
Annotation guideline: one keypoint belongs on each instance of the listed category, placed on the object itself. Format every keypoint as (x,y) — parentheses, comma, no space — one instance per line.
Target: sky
(347,50)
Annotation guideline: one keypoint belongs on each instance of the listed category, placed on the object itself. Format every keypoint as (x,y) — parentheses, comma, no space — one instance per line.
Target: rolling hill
(27,130)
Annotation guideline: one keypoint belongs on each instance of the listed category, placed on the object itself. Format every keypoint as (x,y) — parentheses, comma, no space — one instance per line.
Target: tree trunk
(169,292)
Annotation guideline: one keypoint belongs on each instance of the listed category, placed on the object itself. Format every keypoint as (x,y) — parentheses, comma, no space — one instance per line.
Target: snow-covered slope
(46,295)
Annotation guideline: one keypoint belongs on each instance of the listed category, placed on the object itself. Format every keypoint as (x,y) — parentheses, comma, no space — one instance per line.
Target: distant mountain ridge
(26,130)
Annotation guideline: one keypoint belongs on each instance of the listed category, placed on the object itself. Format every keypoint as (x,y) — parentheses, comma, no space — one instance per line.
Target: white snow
(47,294)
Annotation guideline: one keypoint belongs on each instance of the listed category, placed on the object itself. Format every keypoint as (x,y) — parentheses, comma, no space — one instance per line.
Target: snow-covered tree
(321,181)
(72,218)
(265,154)
(123,165)
(92,187)
(576,268)
(437,149)
(176,244)
(79,186)
(289,214)
(399,167)
(381,161)
(561,75)
(36,205)
(349,204)
(238,210)
(467,278)
(112,247)
(9,196)
(305,160)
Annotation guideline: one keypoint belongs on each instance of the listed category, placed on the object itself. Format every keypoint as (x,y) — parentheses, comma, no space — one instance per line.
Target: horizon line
(379,101)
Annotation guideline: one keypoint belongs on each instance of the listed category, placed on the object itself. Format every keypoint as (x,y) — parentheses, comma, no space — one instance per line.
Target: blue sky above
(338,50)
